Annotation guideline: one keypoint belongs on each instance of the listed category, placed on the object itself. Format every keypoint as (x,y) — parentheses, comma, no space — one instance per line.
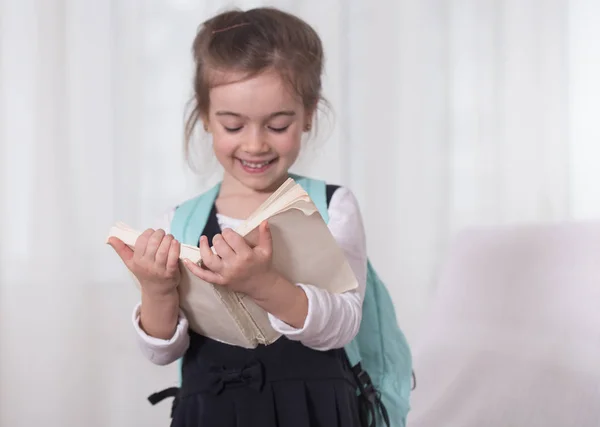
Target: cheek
(290,145)
(223,146)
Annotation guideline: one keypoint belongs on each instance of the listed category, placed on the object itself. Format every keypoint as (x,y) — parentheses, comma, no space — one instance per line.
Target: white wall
(447,115)
(584,108)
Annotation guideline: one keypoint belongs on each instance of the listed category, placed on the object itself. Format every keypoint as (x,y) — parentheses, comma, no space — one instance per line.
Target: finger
(206,275)
(124,251)
(162,253)
(209,258)
(236,242)
(153,244)
(173,257)
(265,240)
(222,247)
(141,243)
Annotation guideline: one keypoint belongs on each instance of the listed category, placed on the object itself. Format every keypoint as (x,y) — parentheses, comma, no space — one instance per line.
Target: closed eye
(233,130)
(279,130)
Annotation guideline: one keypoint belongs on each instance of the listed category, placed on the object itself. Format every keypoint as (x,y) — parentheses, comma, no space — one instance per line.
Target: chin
(263,179)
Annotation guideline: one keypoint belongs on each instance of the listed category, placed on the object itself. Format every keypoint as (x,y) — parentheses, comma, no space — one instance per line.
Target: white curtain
(446,114)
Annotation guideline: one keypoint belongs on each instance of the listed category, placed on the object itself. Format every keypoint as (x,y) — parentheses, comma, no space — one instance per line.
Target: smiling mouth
(256,167)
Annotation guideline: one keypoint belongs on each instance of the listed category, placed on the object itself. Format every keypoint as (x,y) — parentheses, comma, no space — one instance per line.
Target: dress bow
(251,375)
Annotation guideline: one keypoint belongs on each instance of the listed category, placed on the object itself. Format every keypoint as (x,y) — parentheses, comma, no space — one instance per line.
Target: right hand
(153,261)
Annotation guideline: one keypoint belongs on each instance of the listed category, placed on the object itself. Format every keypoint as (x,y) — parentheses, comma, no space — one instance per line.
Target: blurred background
(446,114)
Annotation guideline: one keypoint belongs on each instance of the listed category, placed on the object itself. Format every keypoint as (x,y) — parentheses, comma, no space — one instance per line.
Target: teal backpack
(379,355)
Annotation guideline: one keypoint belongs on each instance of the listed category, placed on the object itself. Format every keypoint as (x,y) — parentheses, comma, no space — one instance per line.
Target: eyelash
(276,130)
(279,130)
(232,130)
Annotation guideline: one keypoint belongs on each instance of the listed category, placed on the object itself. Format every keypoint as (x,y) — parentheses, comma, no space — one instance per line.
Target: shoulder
(340,198)
(164,220)
(344,210)
(202,202)
(166,217)
(346,225)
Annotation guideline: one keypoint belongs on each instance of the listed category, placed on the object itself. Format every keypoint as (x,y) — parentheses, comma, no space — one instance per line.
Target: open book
(304,251)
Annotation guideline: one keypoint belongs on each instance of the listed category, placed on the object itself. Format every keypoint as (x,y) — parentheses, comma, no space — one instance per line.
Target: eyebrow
(273,115)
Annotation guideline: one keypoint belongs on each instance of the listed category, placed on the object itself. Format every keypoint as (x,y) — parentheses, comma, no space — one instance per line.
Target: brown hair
(252,42)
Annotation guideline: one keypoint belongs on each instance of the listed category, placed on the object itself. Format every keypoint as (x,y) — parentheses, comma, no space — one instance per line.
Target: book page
(304,251)
(207,311)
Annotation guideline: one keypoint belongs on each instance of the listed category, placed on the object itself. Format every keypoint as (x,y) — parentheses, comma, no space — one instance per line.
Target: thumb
(265,241)
(124,251)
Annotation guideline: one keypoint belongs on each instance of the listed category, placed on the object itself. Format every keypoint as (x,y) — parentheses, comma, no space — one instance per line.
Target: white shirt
(333,320)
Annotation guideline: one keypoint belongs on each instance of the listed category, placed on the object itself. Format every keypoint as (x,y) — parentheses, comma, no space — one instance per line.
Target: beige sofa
(513,335)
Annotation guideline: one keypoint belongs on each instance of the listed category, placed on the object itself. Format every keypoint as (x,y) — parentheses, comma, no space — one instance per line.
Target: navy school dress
(284,384)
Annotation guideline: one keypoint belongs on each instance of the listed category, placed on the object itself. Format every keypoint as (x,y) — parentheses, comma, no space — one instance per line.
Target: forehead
(257,95)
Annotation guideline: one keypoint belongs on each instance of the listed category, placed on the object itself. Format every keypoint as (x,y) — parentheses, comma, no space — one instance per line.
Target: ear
(309,116)
(205,123)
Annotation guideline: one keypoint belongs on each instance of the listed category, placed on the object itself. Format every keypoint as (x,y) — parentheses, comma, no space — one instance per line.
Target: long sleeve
(159,351)
(334,319)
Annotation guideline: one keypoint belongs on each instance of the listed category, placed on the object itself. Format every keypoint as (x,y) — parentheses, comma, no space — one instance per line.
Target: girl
(257,86)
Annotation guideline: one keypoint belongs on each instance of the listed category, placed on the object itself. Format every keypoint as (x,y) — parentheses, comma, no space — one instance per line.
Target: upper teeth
(255,165)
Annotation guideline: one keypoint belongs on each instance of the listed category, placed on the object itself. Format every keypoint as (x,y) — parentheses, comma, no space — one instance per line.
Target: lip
(257,160)
(266,165)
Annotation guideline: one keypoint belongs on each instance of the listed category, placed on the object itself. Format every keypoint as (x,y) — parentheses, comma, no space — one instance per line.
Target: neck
(236,200)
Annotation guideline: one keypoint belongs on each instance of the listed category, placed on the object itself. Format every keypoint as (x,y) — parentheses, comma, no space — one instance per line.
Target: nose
(255,143)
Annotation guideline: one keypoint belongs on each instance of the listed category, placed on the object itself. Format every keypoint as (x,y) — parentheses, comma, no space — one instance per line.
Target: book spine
(238,312)
(258,334)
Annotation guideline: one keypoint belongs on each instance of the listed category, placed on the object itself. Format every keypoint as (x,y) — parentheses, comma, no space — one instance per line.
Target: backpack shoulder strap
(321,194)
(384,352)
(317,191)
(182,227)
(188,232)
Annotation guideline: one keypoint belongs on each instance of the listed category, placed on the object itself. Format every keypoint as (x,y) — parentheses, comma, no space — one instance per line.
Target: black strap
(369,399)
(164,394)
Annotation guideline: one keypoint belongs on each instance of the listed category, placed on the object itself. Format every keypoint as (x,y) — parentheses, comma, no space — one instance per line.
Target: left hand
(236,265)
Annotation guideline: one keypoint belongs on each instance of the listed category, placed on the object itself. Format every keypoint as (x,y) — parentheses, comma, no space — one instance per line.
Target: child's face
(256,126)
